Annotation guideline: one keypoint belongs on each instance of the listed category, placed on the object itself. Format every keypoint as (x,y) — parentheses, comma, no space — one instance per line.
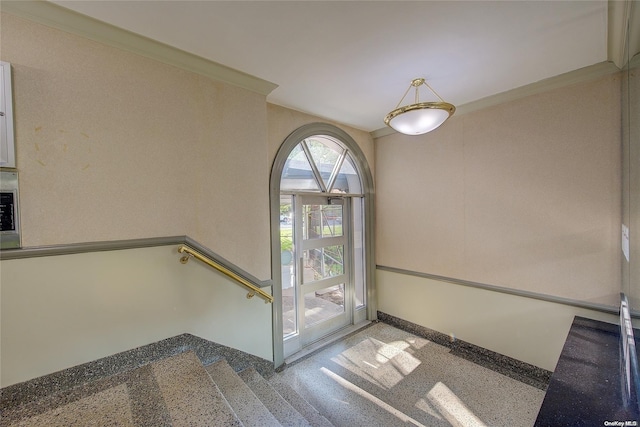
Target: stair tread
(109,407)
(173,392)
(300,404)
(249,409)
(191,398)
(286,414)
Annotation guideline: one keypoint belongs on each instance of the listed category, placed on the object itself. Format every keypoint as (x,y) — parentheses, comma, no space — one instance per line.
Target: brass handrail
(253,290)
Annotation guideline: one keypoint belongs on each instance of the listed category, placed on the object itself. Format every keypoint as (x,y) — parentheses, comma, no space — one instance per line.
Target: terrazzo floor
(383,376)
(378,376)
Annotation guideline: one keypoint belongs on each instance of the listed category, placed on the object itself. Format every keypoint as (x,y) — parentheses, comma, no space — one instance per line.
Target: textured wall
(61,311)
(526,329)
(112,145)
(524,195)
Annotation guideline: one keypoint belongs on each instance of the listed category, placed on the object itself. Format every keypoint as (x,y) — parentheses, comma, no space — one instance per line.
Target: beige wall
(61,311)
(112,145)
(526,329)
(524,195)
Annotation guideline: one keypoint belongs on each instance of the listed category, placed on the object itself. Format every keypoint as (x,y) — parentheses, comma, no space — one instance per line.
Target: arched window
(320,164)
(322,251)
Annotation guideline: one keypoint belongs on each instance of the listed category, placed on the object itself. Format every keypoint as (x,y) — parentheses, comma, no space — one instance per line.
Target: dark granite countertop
(586,386)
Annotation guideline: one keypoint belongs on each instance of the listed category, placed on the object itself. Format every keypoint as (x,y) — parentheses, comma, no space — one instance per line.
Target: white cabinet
(7,142)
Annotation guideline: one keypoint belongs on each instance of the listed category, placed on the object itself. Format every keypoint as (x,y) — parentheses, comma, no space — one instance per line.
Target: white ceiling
(351,61)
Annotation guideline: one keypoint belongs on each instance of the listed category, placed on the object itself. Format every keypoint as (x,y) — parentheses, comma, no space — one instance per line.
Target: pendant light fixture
(419,117)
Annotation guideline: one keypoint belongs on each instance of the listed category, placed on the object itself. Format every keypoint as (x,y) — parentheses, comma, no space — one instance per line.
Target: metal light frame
(417,105)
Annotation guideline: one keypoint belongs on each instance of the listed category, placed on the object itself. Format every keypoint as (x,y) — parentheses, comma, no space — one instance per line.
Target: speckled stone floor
(381,375)
(176,391)
(110,368)
(385,376)
(145,386)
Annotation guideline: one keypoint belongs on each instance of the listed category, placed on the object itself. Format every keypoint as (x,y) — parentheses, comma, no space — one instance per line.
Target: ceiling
(351,61)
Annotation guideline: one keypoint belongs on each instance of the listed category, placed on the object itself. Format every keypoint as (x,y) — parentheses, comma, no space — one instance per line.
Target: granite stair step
(246,405)
(180,381)
(176,391)
(299,403)
(286,414)
(192,399)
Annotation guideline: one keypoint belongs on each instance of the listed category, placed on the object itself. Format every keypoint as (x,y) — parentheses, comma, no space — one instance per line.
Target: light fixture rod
(417,83)
(434,92)
(403,96)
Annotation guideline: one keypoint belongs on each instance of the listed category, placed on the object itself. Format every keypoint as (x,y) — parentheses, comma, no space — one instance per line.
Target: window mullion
(336,170)
(314,168)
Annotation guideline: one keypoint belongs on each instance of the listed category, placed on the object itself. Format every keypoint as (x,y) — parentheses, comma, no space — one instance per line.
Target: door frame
(368,192)
(307,334)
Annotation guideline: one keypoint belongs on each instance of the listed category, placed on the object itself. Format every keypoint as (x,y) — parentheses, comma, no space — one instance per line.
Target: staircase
(378,376)
(174,391)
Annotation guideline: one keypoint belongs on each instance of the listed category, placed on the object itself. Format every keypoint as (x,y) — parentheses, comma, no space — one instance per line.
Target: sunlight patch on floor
(362,393)
(452,408)
(424,406)
(382,364)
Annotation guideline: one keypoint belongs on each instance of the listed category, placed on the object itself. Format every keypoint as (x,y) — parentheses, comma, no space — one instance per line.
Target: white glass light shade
(416,119)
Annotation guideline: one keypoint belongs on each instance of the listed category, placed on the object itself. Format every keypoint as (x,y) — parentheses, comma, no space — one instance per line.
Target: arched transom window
(320,164)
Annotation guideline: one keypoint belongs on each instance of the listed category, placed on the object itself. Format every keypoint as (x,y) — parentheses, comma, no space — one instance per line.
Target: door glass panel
(323,304)
(358,252)
(323,262)
(322,221)
(288,267)
(297,173)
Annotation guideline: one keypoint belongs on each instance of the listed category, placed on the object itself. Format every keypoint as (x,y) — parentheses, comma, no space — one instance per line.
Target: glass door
(320,261)
(322,298)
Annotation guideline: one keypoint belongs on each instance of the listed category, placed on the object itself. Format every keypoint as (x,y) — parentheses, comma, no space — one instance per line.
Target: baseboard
(505,365)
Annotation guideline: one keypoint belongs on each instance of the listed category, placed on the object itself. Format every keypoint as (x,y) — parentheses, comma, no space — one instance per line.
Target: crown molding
(580,75)
(618,20)
(635,61)
(52,15)
(572,77)
(623,31)
(634,31)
